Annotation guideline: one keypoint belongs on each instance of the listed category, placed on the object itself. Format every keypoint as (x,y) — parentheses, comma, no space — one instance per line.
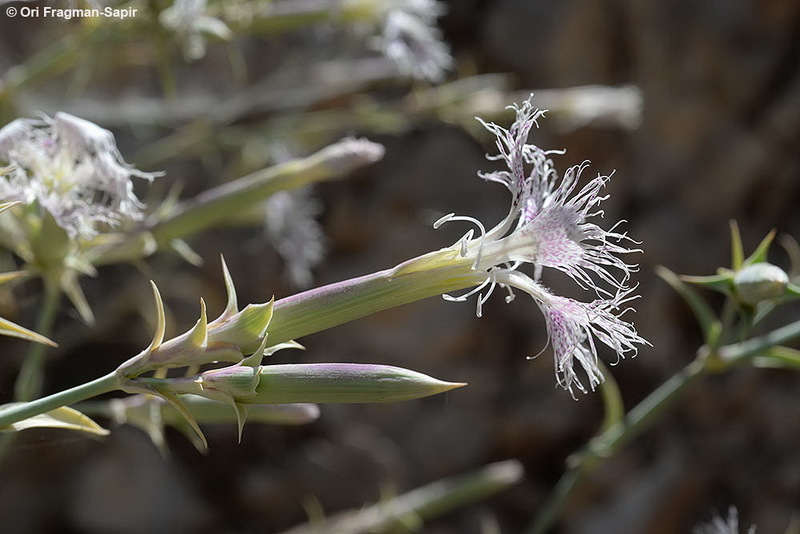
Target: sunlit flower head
(71,168)
(550,225)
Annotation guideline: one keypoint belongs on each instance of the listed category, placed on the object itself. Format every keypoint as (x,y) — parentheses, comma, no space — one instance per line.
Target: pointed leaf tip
(8,205)
(161,320)
(7,328)
(71,288)
(760,254)
(737,251)
(241,417)
(181,408)
(64,417)
(12,275)
(232,306)
(447,386)
(199,333)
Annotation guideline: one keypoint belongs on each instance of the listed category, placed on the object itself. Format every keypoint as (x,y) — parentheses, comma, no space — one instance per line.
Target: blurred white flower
(293,229)
(71,168)
(718,525)
(188,20)
(412,41)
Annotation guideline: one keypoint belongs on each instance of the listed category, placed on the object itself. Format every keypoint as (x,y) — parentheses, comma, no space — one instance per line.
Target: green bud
(343,383)
(759,282)
(238,381)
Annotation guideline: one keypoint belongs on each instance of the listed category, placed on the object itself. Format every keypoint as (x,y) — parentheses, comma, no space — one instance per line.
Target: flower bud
(759,282)
(343,383)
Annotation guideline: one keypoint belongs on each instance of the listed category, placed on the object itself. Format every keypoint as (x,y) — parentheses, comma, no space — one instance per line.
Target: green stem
(325,307)
(288,15)
(555,502)
(17,412)
(218,204)
(609,442)
(31,374)
(736,352)
(222,203)
(407,512)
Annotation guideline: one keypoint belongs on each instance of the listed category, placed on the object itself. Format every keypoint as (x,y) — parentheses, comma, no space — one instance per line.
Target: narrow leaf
(760,254)
(180,407)
(7,328)
(737,252)
(241,417)
(198,336)
(792,290)
(6,205)
(792,249)
(779,357)
(161,320)
(64,417)
(74,293)
(232,306)
(185,252)
(717,282)
(12,275)
(612,399)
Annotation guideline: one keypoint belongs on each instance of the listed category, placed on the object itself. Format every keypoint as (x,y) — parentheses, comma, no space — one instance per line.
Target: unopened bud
(343,383)
(759,282)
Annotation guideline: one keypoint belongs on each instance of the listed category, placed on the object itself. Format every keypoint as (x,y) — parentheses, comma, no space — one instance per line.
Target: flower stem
(738,352)
(31,374)
(609,442)
(328,306)
(17,412)
(217,204)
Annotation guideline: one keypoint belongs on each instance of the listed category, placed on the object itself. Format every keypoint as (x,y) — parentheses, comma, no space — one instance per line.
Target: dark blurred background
(718,140)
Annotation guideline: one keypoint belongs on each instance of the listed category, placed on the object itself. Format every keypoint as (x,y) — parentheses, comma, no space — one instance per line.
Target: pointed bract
(232,306)
(161,319)
(245,329)
(198,336)
(176,402)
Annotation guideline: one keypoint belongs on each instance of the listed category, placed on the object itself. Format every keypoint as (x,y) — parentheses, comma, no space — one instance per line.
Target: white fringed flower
(71,168)
(550,225)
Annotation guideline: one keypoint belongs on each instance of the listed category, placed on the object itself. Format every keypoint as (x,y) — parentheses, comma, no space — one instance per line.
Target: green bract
(229,338)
